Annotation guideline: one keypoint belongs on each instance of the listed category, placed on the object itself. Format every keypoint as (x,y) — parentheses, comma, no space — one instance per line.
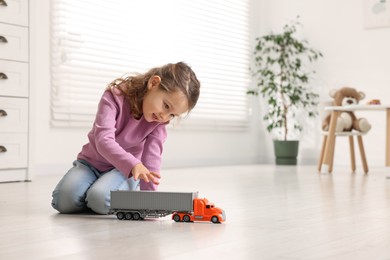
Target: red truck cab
(203,210)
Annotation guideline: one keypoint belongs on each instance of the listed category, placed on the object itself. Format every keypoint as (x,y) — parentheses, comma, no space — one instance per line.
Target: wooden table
(335,112)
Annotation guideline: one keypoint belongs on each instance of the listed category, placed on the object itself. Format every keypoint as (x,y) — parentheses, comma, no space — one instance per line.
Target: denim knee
(97,200)
(67,201)
(99,195)
(69,194)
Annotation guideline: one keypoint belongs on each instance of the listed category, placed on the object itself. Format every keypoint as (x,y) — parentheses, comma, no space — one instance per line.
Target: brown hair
(174,77)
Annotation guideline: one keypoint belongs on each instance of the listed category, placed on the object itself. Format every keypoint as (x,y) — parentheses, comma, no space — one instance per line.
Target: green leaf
(282,71)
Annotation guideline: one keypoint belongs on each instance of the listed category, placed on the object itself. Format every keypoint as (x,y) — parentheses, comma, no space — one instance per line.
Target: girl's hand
(141,172)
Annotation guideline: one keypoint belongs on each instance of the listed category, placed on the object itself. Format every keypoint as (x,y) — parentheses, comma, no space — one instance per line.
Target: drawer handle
(3,3)
(2,149)
(3,113)
(3,75)
(3,39)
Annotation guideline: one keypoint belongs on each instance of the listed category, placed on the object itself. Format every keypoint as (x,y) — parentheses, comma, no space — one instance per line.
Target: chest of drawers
(14,90)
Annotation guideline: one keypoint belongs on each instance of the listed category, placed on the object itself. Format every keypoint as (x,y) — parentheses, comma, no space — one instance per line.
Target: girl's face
(161,106)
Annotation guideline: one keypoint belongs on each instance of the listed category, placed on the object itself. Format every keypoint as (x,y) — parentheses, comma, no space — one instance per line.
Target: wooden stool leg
(321,160)
(330,143)
(352,152)
(362,153)
(332,157)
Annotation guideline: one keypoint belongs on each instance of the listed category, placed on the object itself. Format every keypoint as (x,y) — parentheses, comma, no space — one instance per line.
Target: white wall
(54,149)
(353,56)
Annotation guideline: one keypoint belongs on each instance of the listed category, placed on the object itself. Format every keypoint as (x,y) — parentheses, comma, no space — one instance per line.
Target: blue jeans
(83,187)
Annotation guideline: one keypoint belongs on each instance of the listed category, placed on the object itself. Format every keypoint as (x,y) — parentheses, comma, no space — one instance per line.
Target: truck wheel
(176,218)
(128,216)
(120,215)
(214,219)
(136,216)
(186,218)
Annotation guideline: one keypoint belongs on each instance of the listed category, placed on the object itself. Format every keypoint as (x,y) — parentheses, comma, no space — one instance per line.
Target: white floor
(272,213)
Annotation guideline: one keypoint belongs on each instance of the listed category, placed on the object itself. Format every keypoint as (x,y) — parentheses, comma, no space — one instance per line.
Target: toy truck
(184,206)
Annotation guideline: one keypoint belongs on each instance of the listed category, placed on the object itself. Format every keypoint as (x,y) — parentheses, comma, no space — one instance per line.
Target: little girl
(126,140)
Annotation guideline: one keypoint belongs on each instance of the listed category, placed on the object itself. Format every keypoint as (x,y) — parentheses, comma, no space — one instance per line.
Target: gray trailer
(141,204)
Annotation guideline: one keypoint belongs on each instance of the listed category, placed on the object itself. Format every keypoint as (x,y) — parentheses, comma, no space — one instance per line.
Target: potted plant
(282,75)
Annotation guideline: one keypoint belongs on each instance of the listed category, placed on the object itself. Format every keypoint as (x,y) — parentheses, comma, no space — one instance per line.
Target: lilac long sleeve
(117,140)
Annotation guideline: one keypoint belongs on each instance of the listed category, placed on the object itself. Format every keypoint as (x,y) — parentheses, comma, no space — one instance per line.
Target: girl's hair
(174,77)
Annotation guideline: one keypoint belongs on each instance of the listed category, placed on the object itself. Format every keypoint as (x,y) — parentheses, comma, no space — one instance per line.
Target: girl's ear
(154,81)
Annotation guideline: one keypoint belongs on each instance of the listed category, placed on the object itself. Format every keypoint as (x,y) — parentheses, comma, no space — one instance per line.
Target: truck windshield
(209,206)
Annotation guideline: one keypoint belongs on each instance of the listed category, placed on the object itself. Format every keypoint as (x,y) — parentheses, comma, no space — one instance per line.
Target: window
(94,42)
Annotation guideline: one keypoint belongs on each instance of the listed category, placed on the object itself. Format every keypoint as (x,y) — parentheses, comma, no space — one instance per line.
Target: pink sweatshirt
(117,140)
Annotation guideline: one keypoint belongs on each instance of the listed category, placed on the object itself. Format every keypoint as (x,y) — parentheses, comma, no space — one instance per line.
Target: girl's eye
(172,116)
(166,106)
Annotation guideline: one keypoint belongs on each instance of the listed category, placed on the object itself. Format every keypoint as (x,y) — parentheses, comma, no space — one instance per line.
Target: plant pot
(286,152)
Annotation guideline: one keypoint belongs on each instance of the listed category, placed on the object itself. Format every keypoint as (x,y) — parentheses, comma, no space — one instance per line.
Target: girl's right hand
(141,172)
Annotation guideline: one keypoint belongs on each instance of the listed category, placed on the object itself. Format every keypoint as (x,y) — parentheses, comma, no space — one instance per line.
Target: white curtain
(94,42)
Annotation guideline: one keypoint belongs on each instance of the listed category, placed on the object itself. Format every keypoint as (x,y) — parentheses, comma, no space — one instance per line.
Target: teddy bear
(347,121)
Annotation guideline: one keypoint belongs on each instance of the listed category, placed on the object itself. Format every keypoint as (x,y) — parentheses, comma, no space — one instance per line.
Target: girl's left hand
(141,172)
